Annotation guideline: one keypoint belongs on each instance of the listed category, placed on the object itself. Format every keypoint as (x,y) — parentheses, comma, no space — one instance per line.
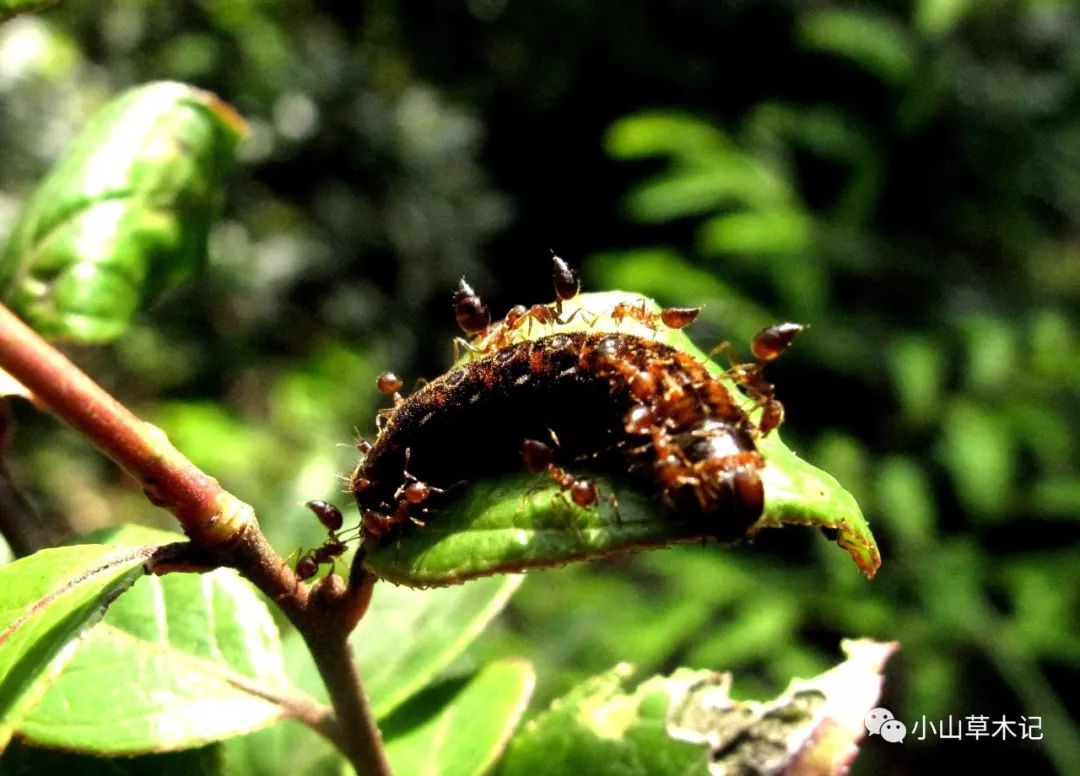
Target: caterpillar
(611,399)
(607,400)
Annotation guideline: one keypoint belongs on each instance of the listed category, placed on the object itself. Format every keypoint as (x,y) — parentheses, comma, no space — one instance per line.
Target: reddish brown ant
(519,314)
(488,338)
(539,458)
(566,285)
(771,341)
(307,565)
(411,493)
(473,317)
(389,384)
(766,347)
(671,317)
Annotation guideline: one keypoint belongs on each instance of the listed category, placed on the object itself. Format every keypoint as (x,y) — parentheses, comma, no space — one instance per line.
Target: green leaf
(756,231)
(877,44)
(522,521)
(776,128)
(180,661)
(600,727)
(918,369)
(980,454)
(46,601)
(664,133)
(415,634)
(9,8)
(460,729)
(287,746)
(122,215)
(707,170)
(687,723)
(936,18)
(723,181)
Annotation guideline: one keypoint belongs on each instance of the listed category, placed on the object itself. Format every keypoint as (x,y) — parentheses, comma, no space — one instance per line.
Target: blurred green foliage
(900,176)
(122,215)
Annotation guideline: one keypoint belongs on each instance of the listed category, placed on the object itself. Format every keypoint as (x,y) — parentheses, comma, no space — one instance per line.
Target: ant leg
(589,318)
(724,348)
(469,348)
(613,500)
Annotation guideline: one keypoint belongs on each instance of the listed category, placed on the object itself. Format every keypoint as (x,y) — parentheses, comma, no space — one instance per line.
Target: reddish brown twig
(222,528)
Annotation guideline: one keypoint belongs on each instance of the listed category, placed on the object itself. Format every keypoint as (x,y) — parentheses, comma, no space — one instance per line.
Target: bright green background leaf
(122,215)
(9,8)
(179,661)
(460,728)
(687,721)
(47,600)
(288,746)
(599,728)
(409,636)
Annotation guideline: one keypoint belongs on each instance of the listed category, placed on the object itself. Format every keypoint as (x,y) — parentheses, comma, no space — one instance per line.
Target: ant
(567,285)
(766,347)
(307,565)
(475,320)
(671,317)
(539,458)
(411,493)
(389,384)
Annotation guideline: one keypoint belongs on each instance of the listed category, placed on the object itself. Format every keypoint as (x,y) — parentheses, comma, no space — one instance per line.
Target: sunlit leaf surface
(179,661)
(687,723)
(122,215)
(46,601)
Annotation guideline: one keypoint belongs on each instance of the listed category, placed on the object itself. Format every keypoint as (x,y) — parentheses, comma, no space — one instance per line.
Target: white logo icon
(893,730)
(875,718)
(880,720)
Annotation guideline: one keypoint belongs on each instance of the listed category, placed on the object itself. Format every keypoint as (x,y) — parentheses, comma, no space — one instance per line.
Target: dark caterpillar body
(612,400)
